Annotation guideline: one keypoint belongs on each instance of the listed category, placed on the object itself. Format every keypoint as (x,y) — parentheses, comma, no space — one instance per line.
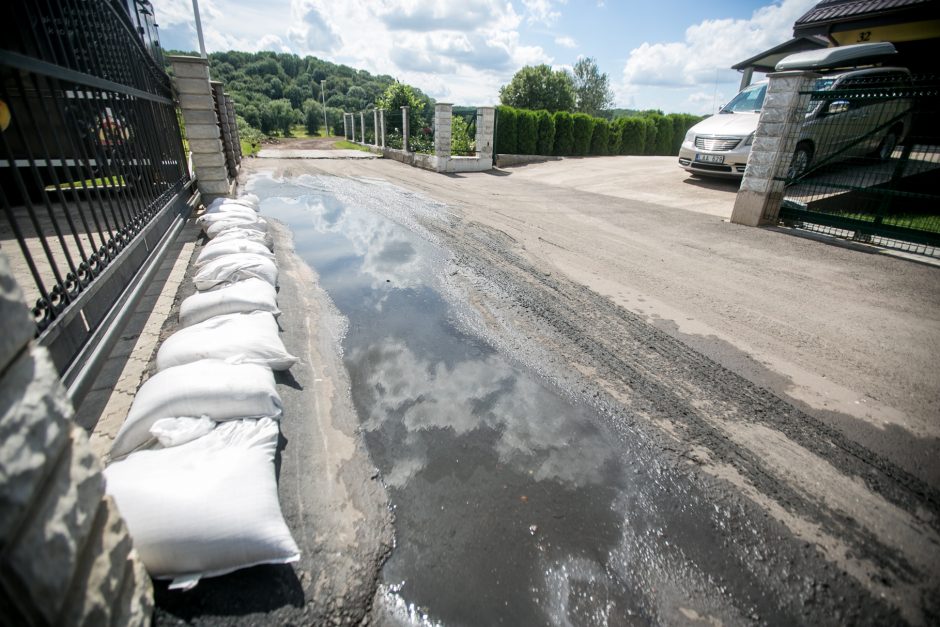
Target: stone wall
(67,558)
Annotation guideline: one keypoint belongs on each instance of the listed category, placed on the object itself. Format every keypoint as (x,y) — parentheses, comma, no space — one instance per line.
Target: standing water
(513,504)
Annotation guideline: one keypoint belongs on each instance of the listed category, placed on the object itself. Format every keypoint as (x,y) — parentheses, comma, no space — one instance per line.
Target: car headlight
(749,139)
(689,137)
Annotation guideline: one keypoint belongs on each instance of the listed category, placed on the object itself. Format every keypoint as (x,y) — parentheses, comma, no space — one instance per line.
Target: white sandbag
(230,210)
(208,387)
(207,507)
(175,431)
(236,233)
(235,222)
(251,199)
(218,203)
(245,214)
(235,267)
(227,247)
(252,294)
(250,338)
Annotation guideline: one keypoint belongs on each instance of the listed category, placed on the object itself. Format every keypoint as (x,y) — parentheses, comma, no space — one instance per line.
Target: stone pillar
(404,128)
(345,125)
(382,125)
(362,126)
(202,125)
(375,127)
(233,129)
(442,129)
(67,556)
(486,125)
(761,192)
(228,143)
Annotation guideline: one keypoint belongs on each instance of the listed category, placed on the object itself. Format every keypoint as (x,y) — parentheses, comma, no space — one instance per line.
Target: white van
(719,145)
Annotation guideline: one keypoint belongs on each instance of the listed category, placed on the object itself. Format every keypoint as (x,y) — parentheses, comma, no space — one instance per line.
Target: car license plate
(710,158)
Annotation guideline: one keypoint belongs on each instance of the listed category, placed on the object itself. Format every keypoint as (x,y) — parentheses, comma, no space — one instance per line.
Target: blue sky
(665,54)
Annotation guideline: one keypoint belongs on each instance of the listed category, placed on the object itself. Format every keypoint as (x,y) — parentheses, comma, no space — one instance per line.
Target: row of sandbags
(192,467)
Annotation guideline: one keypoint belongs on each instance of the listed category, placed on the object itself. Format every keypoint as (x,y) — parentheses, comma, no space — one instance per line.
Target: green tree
(564,133)
(398,95)
(591,87)
(278,116)
(546,132)
(539,87)
(313,116)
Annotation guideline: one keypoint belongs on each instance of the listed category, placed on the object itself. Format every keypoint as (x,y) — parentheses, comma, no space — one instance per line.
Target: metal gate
(867,161)
(92,168)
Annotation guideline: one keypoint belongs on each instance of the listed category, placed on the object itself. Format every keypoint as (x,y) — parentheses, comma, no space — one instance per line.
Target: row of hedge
(524,132)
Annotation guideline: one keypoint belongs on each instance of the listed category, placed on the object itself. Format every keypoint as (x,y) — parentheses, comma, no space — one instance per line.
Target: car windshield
(750,100)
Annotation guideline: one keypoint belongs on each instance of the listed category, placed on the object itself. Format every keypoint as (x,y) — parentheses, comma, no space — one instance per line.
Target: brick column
(442,129)
(202,125)
(67,556)
(233,129)
(486,124)
(761,192)
(228,144)
(404,128)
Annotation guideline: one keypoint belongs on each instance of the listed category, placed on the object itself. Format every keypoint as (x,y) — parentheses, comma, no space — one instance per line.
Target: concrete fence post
(362,126)
(404,128)
(486,125)
(202,125)
(382,125)
(375,127)
(352,121)
(345,125)
(443,119)
(67,555)
(762,188)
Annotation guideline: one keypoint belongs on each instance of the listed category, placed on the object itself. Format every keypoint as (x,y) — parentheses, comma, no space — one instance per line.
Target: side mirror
(838,106)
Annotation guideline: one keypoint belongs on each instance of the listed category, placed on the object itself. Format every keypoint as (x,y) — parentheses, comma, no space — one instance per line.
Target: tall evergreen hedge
(526,132)
(600,139)
(506,130)
(564,133)
(546,133)
(583,129)
(520,131)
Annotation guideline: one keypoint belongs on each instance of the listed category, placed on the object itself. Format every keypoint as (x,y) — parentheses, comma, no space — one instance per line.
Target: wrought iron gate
(92,168)
(867,162)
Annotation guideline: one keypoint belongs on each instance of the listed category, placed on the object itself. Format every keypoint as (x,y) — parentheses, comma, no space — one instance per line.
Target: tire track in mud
(710,418)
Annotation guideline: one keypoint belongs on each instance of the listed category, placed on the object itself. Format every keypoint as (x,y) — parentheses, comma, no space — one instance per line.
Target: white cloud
(704,58)
(541,11)
(566,41)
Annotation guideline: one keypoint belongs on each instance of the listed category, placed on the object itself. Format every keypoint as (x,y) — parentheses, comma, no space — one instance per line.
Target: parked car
(833,130)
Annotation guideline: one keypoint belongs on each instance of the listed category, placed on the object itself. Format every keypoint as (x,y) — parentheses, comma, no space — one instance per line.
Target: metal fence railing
(865,162)
(92,168)
(463,133)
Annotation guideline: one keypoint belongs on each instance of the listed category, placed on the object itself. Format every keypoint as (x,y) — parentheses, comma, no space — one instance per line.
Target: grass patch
(250,149)
(300,132)
(99,183)
(347,145)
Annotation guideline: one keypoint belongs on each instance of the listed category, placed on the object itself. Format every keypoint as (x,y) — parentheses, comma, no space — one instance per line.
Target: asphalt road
(785,385)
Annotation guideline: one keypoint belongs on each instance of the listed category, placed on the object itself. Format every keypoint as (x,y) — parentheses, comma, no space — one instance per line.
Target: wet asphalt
(517,499)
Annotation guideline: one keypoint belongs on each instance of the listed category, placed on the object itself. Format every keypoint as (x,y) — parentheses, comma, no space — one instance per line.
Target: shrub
(461,140)
(583,129)
(681,123)
(564,133)
(505,130)
(600,139)
(662,144)
(526,132)
(632,135)
(652,132)
(546,132)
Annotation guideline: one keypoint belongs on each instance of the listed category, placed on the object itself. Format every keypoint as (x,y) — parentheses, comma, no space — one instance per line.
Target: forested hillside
(274,92)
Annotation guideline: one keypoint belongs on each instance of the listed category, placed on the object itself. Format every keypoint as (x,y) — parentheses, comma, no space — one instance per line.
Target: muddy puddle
(514,504)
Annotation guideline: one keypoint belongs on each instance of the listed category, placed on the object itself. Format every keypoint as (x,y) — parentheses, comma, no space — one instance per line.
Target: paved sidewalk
(107,405)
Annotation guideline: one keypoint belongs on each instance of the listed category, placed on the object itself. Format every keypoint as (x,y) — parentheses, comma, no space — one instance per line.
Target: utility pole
(202,43)
(326,127)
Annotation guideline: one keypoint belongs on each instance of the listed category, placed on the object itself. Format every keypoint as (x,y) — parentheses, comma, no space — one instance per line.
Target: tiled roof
(839,10)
